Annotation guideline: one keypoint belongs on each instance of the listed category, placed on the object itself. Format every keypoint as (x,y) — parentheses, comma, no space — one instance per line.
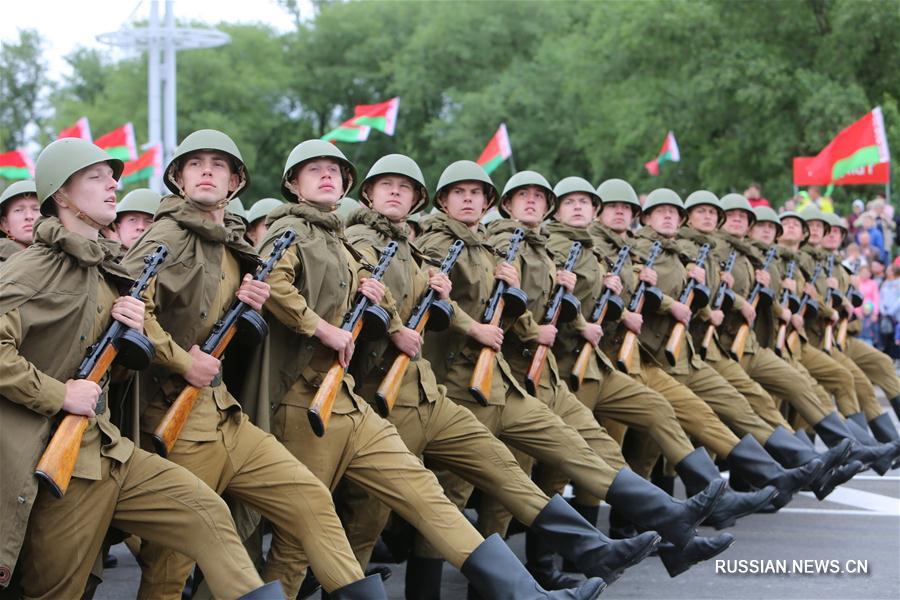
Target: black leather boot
(883,429)
(365,589)
(895,403)
(833,429)
(540,560)
(697,470)
(620,528)
(648,506)
(791,452)
(677,561)
(760,469)
(806,437)
(592,553)
(274,591)
(423,578)
(497,574)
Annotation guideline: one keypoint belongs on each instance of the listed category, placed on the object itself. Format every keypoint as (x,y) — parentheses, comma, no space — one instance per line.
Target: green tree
(22,82)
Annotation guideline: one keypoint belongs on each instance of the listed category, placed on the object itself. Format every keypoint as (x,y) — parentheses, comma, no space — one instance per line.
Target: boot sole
(633,560)
(675,572)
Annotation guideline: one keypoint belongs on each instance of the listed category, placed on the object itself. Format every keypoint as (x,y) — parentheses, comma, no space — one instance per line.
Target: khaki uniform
(317,278)
(218,443)
(8,247)
(428,422)
(731,407)
(517,418)
(55,301)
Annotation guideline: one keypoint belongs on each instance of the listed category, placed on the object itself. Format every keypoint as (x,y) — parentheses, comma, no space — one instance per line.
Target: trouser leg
(758,398)
(833,377)
(865,393)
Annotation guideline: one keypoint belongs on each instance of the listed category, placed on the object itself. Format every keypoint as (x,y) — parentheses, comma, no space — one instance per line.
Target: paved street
(858,522)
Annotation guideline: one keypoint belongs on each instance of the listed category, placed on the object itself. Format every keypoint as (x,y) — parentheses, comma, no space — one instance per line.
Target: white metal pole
(154,87)
(169,128)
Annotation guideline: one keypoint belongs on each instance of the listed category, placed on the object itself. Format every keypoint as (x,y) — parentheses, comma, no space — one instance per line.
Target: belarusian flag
(81,129)
(381,116)
(862,144)
(16,164)
(497,150)
(147,165)
(668,153)
(119,143)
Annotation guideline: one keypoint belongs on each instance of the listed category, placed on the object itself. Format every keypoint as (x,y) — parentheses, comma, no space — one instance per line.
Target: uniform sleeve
(285,301)
(168,353)
(22,382)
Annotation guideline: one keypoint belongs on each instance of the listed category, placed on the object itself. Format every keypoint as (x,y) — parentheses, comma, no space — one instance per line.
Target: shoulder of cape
(361,234)
(303,230)
(25,276)
(165,231)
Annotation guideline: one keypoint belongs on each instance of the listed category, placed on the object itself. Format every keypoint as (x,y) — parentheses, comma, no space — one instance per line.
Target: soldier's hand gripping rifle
(808,304)
(723,301)
(608,306)
(646,297)
(856,300)
(120,343)
(696,296)
(363,315)
(561,308)
(789,301)
(429,311)
(503,299)
(836,299)
(759,296)
(240,316)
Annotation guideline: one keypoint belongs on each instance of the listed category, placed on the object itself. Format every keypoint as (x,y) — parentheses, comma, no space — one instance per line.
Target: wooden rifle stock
(322,403)
(743,334)
(828,342)
(626,351)
(389,390)
(841,339)
(676,336)
(169,428)
(483,375)
(58,461)
(717,305)
(630,343)
(781,336)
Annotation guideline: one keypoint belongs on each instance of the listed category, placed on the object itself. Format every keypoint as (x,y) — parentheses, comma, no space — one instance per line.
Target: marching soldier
(207,256)
(56,298)
(134,215)
(19,209)
(256,219)
(312,288)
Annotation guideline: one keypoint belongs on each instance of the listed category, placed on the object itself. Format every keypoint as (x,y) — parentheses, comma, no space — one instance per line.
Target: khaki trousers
(369,452)
(781,379)
(450,437)
(147,496)
(877,366)
(833,377)
(758,398)
(865,392)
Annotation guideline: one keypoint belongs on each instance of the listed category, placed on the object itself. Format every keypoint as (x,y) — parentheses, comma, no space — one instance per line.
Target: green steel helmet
(574,184)
(346,206)
(663,197)
(310,150)
(236,207)
(491,216)
(261,208)
(19,188)
(789,214)
(141,200)
(704,197)
(63,158)
(466,170)
(766,214)
(206,139)
(619,190)
(526,178)
(397,164)
(814,213)
(739,202)
(835,221)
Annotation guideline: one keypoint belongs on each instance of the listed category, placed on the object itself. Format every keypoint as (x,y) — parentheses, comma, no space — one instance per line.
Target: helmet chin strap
(81,215)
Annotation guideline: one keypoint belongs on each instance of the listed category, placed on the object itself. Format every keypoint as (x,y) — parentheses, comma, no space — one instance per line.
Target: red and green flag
(145,167)
(366,117)
(81,129)
(668,153)
(853,153)
(119,143)
(497,150)
(16,164)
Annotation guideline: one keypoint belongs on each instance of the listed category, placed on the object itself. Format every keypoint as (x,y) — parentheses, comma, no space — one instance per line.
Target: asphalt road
(808,550)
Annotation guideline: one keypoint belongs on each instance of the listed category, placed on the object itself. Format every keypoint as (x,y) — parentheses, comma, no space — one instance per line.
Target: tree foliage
(586,88)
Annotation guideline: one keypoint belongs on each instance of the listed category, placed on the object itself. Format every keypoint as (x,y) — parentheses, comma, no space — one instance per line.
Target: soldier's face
(575,209)
(527,205)
(792,231)
(257,231)
(320,182)
(91,191)
(132,225)
(704,218)
(18,218)
(465,202)
(816,232)
(616,215)
(206,178)
(833,239)
(764,232)
(664,220)
(736,223)
(392,196)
